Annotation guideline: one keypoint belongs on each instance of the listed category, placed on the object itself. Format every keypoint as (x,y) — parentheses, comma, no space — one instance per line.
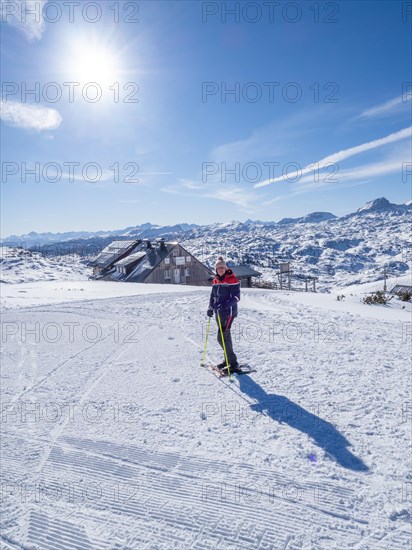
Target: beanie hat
(220,262)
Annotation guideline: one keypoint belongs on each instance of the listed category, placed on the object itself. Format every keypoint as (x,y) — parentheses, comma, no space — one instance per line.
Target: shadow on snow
(283,410)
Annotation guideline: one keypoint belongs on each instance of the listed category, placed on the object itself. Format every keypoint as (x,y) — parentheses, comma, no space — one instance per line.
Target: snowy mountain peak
(313,217)
(377,204)
(256,222)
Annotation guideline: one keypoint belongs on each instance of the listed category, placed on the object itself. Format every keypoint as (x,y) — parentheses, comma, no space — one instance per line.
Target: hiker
(223,302)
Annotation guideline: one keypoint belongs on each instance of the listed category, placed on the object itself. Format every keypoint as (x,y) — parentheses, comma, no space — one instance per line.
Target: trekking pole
(223,343)
(207,334)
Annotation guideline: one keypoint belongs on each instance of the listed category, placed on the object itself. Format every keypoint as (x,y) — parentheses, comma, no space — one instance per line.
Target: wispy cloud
(371,170)
(341,155)
(307,189)
(262,143)
(387,107)
(29,117)
(270,141)
(236,195)
(239,196)
(105,175)
(24,15)
(273,140)
(155,173)
(189,184)
(350,177)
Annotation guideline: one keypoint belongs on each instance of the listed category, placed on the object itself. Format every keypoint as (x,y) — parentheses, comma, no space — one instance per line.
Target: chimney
(162,244)
(148,243)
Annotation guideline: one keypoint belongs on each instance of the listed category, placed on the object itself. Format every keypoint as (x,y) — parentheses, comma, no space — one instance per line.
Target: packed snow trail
(127,443)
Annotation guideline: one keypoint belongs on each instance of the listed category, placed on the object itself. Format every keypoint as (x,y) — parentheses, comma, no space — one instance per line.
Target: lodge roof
(244,271)
(115,249)
(400,289)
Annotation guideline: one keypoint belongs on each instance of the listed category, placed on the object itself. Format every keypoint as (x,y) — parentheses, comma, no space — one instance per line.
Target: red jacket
(225,294)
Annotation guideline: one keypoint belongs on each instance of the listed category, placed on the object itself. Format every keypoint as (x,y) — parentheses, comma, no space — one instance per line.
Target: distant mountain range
(338,250)
(139,231)
(148,230)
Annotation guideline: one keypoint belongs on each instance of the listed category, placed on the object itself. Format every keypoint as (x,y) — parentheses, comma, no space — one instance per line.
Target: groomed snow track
(175,476)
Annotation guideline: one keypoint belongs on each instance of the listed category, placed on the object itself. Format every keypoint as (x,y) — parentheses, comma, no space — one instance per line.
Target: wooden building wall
(199,275)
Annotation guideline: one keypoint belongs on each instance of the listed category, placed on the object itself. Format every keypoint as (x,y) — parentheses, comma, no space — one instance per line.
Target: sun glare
(94,63)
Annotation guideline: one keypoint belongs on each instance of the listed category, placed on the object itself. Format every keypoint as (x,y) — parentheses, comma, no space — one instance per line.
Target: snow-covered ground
(49,292)
(114,436)
(18,265)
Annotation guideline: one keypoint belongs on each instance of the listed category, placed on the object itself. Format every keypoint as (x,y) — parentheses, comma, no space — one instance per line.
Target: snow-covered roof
(400,289)
(244,271)
(136,256)
(153,258)
(115,249)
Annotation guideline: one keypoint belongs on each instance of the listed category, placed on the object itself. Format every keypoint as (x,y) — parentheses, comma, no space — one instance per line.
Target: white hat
(220,262)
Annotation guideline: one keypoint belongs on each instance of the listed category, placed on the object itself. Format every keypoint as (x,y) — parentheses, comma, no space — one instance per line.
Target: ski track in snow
(131,445)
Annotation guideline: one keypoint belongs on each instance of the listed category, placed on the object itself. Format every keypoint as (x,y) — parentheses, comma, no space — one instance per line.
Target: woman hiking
(223,302)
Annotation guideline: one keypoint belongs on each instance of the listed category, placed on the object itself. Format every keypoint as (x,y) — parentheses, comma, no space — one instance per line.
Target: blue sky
(319,118)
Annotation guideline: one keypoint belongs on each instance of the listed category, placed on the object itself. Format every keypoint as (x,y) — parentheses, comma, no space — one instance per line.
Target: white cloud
(264,140)
(341,155)
(235,195)
(388,106)
(371,170)
(24,15)
(309,188)
(351,177)
(276,199)
(29,117)
(189,184)
(155,173)
(94,178)
(270,141)
(261,143)
(238,196)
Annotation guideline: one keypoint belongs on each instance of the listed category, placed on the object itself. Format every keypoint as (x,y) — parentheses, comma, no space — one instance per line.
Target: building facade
(156,262)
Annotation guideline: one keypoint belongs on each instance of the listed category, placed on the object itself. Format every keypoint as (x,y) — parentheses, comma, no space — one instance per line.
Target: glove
(210,312)
(219,307)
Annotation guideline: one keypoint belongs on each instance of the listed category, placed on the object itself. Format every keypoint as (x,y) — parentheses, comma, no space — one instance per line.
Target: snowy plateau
(115,437)
(340,251)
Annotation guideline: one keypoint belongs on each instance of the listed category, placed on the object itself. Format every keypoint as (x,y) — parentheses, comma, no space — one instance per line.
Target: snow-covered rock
(18,265)
(313,217)
(381,204)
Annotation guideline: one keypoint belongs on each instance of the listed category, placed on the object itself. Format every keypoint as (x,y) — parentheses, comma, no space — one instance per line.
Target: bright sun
(94,63)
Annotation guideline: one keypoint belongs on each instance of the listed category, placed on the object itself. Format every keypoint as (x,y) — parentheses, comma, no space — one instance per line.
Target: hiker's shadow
(283,410)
